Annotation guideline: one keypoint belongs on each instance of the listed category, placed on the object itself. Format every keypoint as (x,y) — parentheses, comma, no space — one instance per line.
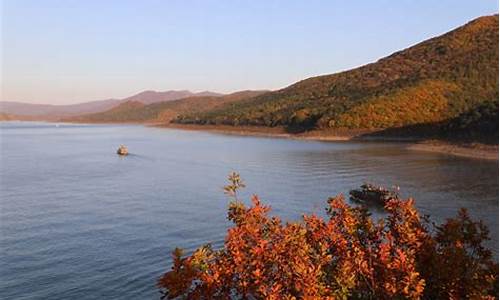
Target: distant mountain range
(149,97)
(48,111)
(165,111)
(53,111)
(445,84)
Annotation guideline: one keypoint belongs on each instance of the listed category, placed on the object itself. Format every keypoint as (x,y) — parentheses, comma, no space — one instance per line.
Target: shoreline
(472,150)
(469,150)
(478,151)
(272,132)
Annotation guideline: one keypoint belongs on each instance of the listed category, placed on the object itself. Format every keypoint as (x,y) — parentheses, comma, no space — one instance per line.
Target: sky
(64,52)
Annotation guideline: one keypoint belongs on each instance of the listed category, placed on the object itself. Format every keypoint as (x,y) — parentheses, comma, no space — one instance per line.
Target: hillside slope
(49,111)
(54,112)
(135,111)
(10,117)
(433,81)
(150,97)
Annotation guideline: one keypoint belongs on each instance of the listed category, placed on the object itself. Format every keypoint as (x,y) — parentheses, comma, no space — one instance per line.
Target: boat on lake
(122,150)
(372,194)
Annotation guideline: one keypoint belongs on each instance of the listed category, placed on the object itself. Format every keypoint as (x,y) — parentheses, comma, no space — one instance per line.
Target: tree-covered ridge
(134,111)
(479,124)
(424,102)
(432,81)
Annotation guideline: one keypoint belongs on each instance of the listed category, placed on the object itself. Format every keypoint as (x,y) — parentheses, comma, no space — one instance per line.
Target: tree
(347,256)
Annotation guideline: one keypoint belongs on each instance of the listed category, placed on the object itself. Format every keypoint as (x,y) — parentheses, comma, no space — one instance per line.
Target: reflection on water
(78,221)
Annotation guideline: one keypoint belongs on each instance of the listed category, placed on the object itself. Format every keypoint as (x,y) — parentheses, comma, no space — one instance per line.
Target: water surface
(79,222)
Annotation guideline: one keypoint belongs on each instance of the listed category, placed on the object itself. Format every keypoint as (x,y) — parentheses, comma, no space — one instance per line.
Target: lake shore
(481,151)
(274,132)
(471,150)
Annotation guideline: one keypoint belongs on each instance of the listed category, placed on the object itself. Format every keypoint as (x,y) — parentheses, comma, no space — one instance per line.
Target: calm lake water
(79,222)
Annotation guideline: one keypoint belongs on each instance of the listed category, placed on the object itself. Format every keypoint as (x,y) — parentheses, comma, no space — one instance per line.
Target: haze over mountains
(48,111)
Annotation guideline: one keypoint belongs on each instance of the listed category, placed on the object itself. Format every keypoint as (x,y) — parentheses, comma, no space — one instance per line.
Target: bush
(347,256)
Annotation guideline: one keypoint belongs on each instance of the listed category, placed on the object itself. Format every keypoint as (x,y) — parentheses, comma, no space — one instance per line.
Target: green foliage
(235,183)
(477,124)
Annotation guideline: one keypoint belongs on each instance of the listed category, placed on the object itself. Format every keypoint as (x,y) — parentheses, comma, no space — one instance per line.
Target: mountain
(52,111)
(149,97)
(477,125)
(431,82)
(48,111)
(136,111)
(9,117)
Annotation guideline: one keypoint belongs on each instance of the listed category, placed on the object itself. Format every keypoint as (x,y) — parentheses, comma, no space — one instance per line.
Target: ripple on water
(79,222)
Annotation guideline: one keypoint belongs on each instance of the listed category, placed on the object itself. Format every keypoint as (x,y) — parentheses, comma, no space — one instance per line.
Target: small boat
(122,150)
(372,194)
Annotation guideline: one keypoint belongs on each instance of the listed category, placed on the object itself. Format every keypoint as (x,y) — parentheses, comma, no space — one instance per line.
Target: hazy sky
(72,51)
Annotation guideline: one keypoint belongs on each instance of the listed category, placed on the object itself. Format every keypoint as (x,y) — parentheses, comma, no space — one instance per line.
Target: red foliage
(347,256)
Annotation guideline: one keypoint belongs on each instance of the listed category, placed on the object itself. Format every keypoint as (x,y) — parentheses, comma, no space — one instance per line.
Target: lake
(79,222)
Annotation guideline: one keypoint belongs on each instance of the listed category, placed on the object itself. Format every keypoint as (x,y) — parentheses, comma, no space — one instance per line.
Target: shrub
(347,256)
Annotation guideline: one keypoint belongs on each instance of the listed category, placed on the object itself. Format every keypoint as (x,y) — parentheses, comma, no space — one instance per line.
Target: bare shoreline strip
(477,151)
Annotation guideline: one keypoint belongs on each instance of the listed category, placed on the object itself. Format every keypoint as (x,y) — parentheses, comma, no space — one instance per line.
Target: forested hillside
(432,82)
(134,111)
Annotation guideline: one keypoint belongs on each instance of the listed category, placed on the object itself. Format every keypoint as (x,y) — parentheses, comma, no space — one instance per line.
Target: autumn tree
(346,256)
